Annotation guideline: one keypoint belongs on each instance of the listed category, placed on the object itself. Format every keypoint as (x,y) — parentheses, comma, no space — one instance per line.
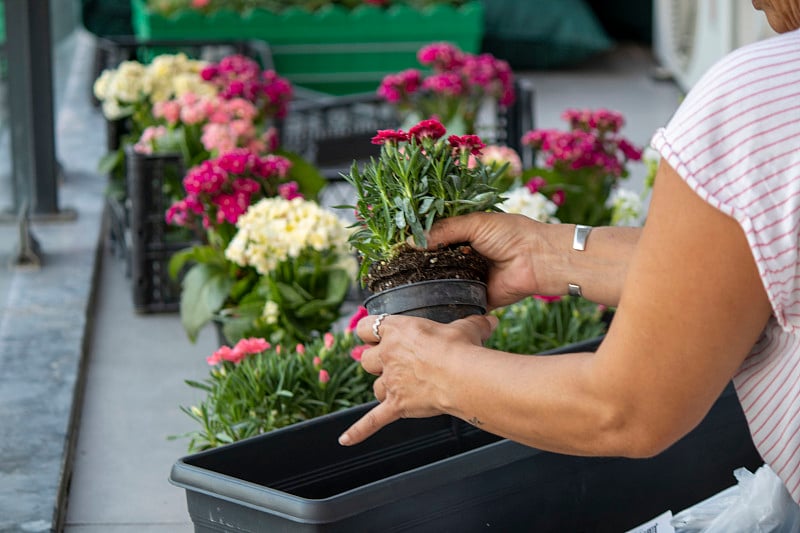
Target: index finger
(378,417)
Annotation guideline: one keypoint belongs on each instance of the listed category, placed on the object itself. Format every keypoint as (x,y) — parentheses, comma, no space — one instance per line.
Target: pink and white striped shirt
(735,140)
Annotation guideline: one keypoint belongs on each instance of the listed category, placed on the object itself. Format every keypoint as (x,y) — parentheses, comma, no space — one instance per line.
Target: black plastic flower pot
(441,300)
(441,474)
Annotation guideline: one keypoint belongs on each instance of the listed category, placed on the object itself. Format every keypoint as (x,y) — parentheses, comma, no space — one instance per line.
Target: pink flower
(300,348)
(535,184)
(440,56)
(559,197)
(430,128)
(251,346)
(360,313)
(447,83)
(199,4)
(547,299)
(328,340)
(289,191)
(390,136)
(317,361)
(324,377)
(358,351)
(467,143)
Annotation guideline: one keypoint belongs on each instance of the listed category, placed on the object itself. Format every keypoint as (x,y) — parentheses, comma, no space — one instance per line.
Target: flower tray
(440,474)
(332,50)
(152,241)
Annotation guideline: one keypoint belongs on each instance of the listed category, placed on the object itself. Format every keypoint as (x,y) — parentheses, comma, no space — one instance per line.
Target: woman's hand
(529,257)
(511,243)
(411,361)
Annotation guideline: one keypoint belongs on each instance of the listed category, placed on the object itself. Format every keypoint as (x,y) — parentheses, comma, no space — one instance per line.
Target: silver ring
(377,324)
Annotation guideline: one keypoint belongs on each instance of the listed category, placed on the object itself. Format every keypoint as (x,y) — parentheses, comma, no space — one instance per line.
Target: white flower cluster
(168,76)
(626,207)
(274,230)
(535,205)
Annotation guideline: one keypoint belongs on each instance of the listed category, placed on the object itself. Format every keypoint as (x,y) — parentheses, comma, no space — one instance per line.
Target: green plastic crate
(332,50)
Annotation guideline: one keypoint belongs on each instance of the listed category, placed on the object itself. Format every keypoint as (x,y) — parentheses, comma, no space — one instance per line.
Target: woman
(706,292)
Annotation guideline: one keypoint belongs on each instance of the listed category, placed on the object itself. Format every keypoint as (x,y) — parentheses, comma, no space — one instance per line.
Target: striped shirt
(735,140)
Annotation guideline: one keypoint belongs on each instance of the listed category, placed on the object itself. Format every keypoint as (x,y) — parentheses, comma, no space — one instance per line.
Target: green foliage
(276,388)
(409,186)
(534,325)
(305,293)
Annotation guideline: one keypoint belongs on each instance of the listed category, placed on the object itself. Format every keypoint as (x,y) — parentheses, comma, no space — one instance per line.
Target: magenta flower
(441,56)
(430,128)
(467,143)
(358,351)
(390,136)
(360,313)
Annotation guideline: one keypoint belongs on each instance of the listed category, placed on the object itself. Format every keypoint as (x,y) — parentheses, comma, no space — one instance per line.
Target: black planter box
(441,474)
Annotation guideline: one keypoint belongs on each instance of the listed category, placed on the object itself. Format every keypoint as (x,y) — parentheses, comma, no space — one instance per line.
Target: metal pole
(30,102)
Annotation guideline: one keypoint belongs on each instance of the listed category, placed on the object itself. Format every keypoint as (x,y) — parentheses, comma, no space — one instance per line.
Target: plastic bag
(759,503)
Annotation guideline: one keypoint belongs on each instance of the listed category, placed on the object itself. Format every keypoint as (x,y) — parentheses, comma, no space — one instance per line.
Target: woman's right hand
(514,245)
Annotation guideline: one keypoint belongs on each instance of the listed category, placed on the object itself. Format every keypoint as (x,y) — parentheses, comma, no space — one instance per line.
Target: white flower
(533,205)
(626,206)
(270,312)
(274,230)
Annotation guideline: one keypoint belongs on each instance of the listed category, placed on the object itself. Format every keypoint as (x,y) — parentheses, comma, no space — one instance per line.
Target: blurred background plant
(172,7)
(297,267)
(538,323)
(454,90)
(580,167)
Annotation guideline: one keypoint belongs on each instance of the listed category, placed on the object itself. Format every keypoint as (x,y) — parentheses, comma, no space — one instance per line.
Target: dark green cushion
(542,34)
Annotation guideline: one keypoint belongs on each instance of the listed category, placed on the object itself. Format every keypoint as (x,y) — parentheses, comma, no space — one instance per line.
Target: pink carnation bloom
(390,136)
(324,377)
(328,340)
(317,361)
(446,83)
(252,345)
(289,191)
(467,143)
(358,351)
(547,299)
(169,110)
(441,56)
(360,313)
(300,348)
(428,128)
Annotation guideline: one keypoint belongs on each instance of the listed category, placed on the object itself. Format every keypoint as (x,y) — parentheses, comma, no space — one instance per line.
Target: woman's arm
(691,308)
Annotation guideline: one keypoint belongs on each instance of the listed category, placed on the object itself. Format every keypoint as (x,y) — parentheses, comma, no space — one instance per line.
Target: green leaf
(203,292)
(400,220)
(178,261)
(111,161)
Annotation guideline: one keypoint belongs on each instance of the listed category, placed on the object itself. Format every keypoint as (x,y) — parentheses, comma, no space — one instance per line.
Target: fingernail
(344,439)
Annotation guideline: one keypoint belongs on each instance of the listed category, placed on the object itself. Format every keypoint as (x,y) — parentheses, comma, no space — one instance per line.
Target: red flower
(470,143)
(430,128)
(392,136)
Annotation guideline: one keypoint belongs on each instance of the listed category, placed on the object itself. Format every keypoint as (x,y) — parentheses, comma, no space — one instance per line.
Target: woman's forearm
(599,270)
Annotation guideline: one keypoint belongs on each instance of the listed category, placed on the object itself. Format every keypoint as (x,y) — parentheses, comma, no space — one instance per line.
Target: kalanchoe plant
(420,176)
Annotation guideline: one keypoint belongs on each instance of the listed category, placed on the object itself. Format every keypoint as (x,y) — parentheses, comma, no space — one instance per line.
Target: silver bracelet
(579,239)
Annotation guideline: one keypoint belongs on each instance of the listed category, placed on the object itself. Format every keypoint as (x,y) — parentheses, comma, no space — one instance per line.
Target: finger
(379,390)
(369,424)
(367,327)
(371,363)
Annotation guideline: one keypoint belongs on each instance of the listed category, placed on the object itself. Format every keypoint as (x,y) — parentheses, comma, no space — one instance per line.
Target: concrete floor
(134,365)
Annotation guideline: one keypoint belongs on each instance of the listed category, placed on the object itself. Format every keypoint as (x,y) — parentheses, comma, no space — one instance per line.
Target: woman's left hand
(411,359)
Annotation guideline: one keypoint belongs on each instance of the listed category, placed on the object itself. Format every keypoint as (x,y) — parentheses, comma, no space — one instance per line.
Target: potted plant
(254,386)
(421,176)
(331,46)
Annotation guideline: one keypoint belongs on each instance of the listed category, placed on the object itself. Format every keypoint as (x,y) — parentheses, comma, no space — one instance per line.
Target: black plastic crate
(440,474)
(152,240)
